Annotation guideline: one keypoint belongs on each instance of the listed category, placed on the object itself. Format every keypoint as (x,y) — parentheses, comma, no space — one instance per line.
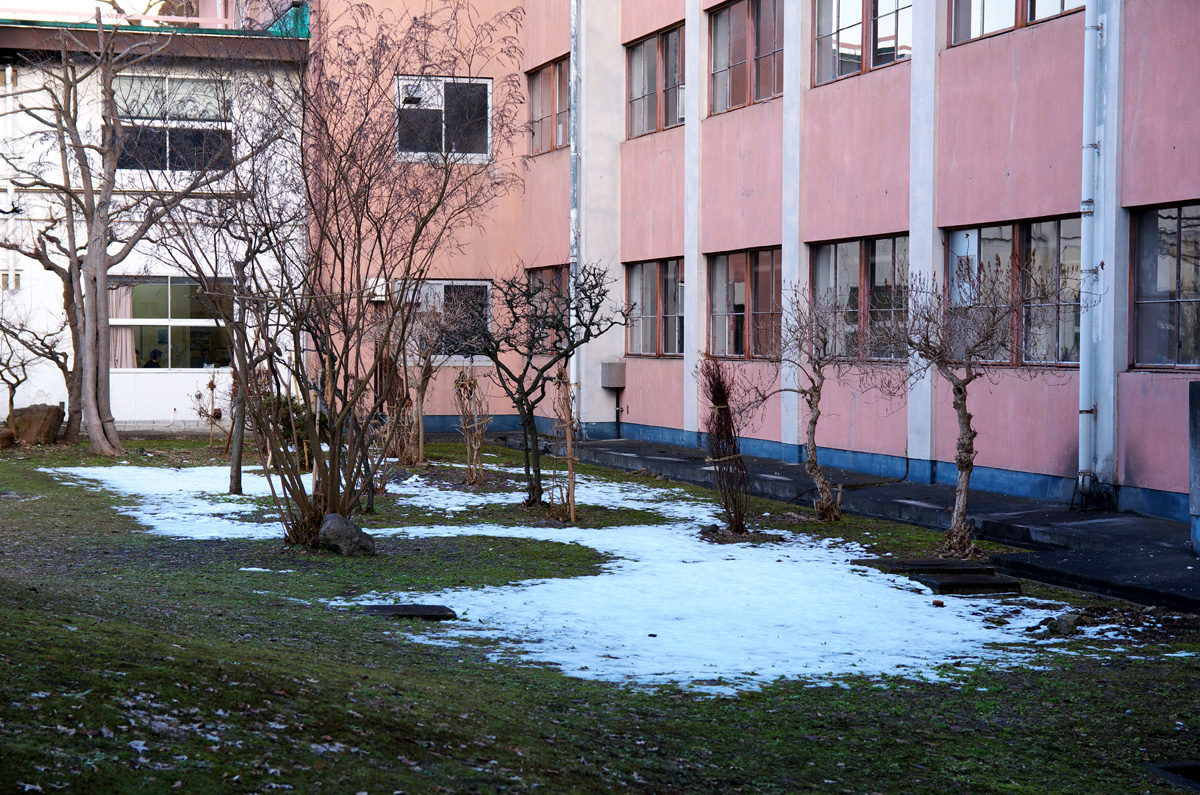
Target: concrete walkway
(1123,555)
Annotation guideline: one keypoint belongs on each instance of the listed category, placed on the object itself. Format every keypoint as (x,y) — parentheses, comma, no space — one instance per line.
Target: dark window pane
(150,299)
(201,149)
(145,148)
(419,130)
(1155,333)
(467,118)
(468,305)
(1189,332)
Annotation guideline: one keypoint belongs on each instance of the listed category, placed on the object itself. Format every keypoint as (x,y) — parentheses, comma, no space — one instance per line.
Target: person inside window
(155,358)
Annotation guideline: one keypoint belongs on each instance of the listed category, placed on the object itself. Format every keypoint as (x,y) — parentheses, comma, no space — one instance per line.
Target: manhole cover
(1181,774)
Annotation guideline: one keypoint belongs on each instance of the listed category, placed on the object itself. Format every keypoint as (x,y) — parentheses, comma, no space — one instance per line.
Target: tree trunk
(74,375)
(74,410)
(533,460)
(239,440)
(828,508)
(958,537)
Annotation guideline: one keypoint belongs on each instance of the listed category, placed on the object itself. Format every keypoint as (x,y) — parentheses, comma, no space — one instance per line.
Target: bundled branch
(473,420)
(721,429)
(562,492)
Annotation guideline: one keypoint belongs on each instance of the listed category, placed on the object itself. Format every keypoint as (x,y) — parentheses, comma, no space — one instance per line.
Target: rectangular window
(550,107)
(887,276)
(741,280)
(655,301)
(840,38)
(174,123)
(165,323)
(1167,286)
(643,306)
(444,116)
(838,270)
(655,82)
(974,18)
(768,48)
(747,51)
(891,31)
(1050,328)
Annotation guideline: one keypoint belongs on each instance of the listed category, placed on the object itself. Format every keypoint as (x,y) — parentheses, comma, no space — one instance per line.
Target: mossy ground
(133,663)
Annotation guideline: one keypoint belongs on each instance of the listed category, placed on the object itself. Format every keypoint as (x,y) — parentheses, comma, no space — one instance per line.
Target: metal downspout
(1090,270)
(576,175)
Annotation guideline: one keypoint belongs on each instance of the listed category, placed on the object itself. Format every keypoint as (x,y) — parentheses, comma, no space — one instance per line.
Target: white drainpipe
(576,176)
(1090,271)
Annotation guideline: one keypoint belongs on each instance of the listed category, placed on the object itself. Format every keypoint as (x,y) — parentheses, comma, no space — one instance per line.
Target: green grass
(244,682)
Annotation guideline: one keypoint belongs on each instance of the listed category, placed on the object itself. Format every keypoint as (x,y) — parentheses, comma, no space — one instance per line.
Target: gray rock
(37,424)
(1066,624)
(340,535)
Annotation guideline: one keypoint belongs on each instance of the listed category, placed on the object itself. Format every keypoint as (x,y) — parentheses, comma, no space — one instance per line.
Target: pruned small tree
(392,140)
(530,328)
(727,408)
(473,420)
(817,341)
(963,329)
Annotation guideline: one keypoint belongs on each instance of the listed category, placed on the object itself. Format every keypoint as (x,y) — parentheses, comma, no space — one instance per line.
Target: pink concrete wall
(547,219)
(1160,160)
(547,31)
(856,418)
(1023,425)
(741,182)
(1010,111)
(856,156)
(640,18)
(1152,448)
(654,392)
(652,196)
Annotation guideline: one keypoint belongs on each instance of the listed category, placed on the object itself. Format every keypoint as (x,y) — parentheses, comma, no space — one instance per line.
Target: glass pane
(1040,9)
(720,40)
(467,118)
(738,35)
(737,282)
(967,14)
(825,59)
(1068,260)
(718,290)
(1068,333)
(186,301)
(419,130)
(145,148)
(998,15)
(995,245)
(1154,333)
(764,27)
(672,286)
(779,71)
(850,50)
(199,149)
(720,92)
(1042,254)
(739,85)
(764,77)
(1146,272)
(152,346)
(150,299)
(198,100)
(904,32)
(1040,333)
(140,97)
(826,17)
(199,347)
(1189,332)
(650,68)
(1189,252)
(847,275)
(650,113)
(885,39)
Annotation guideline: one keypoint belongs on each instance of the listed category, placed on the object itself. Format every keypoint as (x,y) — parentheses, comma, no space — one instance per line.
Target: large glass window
(842,40)
(741,280)
(165,323)
(550,106)
(747,50)
(838,270)
(975,18)
(655,301)
(443,116)
(174,123)
(1167,286)
(643,87)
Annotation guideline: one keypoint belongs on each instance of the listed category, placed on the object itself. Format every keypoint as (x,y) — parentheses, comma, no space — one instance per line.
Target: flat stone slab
(968,584)
(427,612)
(940,566)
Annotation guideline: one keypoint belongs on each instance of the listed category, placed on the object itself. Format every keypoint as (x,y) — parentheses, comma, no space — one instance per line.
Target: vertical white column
(796,36)
(1111,231)
(924,243)
(695,101)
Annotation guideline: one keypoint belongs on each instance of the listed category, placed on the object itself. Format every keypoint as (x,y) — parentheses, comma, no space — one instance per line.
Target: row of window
(868,278)
(746,56)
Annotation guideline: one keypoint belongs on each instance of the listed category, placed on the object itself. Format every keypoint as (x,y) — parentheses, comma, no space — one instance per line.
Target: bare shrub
(721,430)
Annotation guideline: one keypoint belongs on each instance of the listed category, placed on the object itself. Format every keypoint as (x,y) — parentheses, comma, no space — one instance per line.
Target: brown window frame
(1175,299)
(1020,252)
(1024,15)
(862,305)
(549,81)
(744,71)
(659,315)
(661,91)
(750,330)
(869,20)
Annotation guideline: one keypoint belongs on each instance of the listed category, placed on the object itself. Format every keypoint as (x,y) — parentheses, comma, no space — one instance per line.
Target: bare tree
(817,341)
(963,330)
(86,218)
(391,144)
(728,406)
(531,327)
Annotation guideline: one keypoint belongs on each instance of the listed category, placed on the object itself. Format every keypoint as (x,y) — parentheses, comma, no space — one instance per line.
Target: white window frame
(166,122)
(416,91)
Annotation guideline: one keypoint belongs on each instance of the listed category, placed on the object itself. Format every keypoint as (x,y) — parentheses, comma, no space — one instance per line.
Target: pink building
(726,149)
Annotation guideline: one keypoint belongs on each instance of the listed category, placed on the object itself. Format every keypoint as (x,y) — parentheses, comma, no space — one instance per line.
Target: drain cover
(1181,774)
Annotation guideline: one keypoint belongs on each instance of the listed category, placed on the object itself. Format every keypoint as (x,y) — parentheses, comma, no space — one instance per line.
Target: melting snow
(669,607)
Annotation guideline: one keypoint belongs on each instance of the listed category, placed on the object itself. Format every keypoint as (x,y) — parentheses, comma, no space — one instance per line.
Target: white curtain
(120,305)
